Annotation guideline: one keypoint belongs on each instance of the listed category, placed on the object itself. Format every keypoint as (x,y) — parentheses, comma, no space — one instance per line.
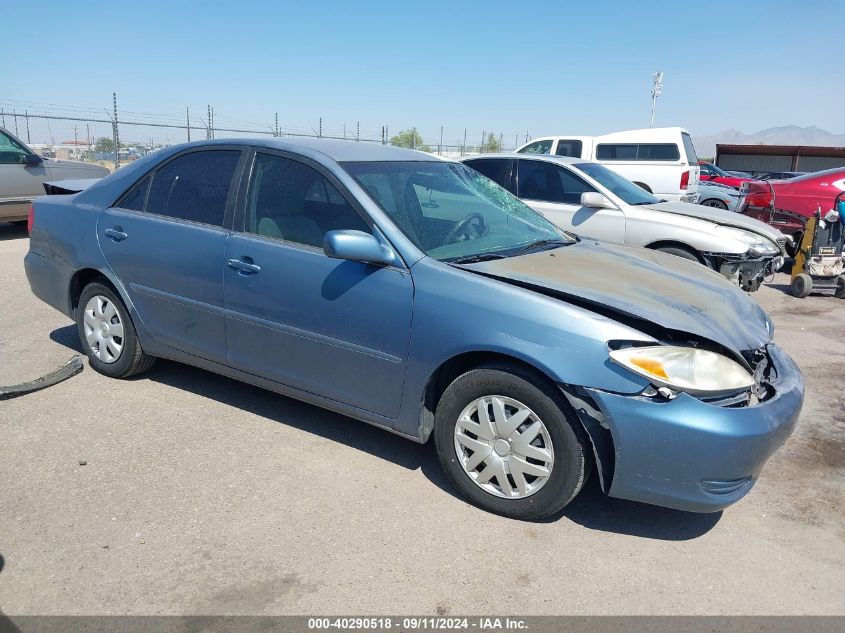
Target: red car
(803,196)
(711,173)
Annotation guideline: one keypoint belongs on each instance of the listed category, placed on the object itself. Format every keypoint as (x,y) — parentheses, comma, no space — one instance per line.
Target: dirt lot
(201,495)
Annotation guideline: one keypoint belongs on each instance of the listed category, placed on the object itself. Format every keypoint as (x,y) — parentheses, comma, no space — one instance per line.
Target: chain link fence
(113,138)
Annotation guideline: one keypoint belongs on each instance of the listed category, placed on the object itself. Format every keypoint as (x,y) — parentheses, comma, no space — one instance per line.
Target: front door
(555,192)
(165,240)
(337,329)
(19,183)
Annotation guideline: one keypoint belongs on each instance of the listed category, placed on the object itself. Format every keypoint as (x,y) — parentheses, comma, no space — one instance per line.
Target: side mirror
(32,160)
(595,200)
(357,246)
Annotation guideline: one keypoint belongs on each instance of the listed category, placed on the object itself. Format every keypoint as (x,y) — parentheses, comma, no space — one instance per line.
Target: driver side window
(11,152)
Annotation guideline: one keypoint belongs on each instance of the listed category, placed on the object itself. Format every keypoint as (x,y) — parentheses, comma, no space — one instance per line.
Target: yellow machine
(819,260)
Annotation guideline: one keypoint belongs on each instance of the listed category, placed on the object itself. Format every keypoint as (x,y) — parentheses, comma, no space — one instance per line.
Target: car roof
(567,160)
(338,150)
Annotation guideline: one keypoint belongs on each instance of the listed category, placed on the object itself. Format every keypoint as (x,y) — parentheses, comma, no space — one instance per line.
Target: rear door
(555,192)
(165,240)
(338,329)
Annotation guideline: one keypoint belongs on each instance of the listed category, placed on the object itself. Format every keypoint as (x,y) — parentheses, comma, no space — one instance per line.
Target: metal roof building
(756,159)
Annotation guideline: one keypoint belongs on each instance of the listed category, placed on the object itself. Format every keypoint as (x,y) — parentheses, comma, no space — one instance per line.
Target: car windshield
(621,187)
(453,213)
(718,170)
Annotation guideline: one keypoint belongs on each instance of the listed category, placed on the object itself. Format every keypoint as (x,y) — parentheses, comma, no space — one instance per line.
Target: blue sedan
(417,295)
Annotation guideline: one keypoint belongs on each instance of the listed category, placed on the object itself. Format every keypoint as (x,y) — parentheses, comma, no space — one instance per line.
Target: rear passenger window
(547,182)
(194,186)
(637,151)
(537,147)
(135,197)
(291,201)
(496,169)
(569,148)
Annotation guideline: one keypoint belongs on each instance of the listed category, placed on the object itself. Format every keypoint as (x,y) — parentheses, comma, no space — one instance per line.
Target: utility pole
(464,146)
(656,91)
(440,149)
(483,134)
(26,114)
(208,124)
(358,131)
(188,122)
(116,134)
(277,123)
(320,133)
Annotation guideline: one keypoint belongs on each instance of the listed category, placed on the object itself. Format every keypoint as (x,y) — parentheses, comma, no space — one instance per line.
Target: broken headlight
(695,371)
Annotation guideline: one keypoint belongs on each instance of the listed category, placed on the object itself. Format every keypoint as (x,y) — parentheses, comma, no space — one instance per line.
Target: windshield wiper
(480,257)
(540,243)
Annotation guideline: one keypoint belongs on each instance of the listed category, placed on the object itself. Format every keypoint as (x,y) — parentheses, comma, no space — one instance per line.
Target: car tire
(714,203)
(840,287)
(551,428)
(107,334)
(678,251)
(802,285)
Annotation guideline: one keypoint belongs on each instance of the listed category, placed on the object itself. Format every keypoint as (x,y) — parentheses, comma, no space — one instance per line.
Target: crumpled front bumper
(691,455)
(748,274)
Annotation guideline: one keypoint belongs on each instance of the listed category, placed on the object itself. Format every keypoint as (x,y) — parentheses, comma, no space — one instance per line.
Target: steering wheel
(462,226)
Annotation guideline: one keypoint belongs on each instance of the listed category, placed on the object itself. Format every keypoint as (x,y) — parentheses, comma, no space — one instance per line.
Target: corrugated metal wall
(818,163)
(745,162)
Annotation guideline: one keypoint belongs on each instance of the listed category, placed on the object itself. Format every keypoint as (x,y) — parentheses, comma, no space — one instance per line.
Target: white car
(660,160)
(23,174)
(718,196)
(594,202)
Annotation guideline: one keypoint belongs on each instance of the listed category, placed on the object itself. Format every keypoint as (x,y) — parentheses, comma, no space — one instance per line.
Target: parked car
(785,204)
(415,294)
(779,175)
(712,173)
(660,160)
(23,173)
(711,194)
(593,201)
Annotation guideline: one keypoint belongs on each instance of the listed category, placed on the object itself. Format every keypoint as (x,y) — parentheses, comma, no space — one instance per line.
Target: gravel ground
(201,495)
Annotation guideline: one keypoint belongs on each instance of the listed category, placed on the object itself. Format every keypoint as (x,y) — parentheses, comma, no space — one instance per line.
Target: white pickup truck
(660,160)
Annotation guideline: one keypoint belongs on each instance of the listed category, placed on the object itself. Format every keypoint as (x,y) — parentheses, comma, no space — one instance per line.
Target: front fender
(458,312)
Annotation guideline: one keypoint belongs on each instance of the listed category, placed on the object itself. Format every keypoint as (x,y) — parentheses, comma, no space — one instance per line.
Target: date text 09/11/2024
(420,623)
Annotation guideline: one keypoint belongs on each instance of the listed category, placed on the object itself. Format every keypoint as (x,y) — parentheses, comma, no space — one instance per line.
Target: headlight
(695,371)
(757,244)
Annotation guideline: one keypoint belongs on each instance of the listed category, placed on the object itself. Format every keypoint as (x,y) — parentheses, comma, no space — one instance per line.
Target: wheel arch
(586,410)
(82,278)
(677,244)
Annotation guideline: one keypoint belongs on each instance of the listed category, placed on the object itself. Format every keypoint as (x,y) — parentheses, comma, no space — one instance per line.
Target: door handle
(244,267)
(116,234)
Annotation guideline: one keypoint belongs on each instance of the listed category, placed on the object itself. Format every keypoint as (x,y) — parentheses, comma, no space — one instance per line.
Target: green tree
(104,144)
(491,144)
(411,139)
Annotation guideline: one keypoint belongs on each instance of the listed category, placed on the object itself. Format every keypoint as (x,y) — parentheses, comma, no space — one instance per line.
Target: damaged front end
(746,271)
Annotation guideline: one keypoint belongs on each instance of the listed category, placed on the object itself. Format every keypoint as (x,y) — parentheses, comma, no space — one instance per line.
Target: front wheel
(107,334)
(802,285)
(677,251)
(840,287)
(510,442)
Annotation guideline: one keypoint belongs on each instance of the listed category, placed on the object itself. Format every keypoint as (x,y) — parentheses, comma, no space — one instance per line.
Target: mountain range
(705,146)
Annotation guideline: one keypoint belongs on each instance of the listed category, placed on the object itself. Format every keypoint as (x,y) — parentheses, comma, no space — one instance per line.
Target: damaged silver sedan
(595,202)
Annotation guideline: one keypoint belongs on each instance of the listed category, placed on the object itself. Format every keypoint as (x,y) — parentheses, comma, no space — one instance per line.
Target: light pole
(656,91)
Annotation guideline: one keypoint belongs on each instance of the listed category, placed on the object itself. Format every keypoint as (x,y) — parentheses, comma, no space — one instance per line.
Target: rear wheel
(510,442)
(716,204)
(840,287)
(802,285)
(107,334)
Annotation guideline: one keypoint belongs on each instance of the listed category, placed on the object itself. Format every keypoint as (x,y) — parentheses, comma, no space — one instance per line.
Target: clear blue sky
(509,67)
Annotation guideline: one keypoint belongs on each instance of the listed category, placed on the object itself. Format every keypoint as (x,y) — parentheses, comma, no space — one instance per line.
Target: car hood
(719,216)
(637,283)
